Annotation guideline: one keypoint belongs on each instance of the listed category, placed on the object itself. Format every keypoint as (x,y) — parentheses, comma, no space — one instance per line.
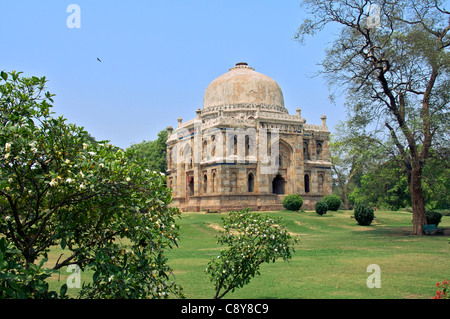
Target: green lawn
(330,260)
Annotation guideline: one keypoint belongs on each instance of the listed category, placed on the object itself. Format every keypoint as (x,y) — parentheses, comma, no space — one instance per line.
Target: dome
(243,86)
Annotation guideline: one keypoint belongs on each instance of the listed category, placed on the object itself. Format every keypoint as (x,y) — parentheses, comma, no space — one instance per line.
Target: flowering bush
(444,290)
(252,239)
(59,187)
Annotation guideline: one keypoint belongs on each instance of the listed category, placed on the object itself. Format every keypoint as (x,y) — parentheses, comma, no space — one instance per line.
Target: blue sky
(158,57)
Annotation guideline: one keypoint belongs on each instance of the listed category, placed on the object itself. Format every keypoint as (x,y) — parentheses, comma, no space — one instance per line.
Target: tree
(395,72)
(252,239)
(57,187)
(352,153)
(153,153)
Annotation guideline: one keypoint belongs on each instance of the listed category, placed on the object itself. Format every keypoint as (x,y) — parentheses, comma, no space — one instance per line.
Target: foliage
(352,154)
(293,202)
(436,180)
(396,75)
(333,202)
(252,239)
(443,291)
(385,186)
(152,153)
(20,282)
(363,213)
(433,218)
(101,206)
(321,207)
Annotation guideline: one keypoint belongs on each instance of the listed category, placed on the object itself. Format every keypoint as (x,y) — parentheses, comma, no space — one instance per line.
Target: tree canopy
(153,154)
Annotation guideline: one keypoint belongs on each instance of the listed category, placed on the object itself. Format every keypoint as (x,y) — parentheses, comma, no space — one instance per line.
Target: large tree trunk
(417,201)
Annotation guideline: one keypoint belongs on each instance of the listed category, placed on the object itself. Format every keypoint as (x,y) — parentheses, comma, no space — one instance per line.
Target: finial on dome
(242,65)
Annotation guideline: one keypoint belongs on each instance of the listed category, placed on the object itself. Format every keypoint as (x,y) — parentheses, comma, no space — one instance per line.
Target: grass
(329,262)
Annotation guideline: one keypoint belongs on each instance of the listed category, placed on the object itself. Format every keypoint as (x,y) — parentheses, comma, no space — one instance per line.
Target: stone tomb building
(244,149)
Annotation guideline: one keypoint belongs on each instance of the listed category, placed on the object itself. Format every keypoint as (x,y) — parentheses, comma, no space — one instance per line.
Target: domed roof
(242,85)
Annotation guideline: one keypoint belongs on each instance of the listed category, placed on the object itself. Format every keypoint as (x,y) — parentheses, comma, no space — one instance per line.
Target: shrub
(292,202)
(321,207)
(363,213)
(333,202)
(433,217)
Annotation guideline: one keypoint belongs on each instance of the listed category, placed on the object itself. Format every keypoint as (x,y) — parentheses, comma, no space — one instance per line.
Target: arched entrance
(278,184)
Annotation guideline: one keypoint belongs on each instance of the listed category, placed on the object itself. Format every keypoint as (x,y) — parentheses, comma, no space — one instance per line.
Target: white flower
(128,179)
(53,182)
(110,278)
(162,174)
(7,147)
(84,146)
(101,165)
(67,161)
(10,180)
(6,155)
(7,218)
(91,153)
(81,186)
(69,180)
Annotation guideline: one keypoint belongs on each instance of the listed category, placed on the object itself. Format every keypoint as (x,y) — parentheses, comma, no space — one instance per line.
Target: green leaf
(4,75)
(63,290)
(63,243)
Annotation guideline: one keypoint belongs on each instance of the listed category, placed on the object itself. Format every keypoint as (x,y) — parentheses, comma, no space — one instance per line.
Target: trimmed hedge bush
(433,217)
(293,202)
(363,213)
(321,207)
(333,202)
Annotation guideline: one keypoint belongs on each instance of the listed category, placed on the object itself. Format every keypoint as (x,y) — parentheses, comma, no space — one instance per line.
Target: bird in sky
(99,60)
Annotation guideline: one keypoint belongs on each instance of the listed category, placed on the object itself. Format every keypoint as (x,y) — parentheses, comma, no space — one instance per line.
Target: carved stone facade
(244,149)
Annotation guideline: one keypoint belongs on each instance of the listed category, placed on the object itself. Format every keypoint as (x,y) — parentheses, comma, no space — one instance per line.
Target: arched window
(319,150)
(205,150)
(191,186)
(251,182)
(320,181)
(213,184)
(213,145)
(306,150)
(306,183)
(205,184)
